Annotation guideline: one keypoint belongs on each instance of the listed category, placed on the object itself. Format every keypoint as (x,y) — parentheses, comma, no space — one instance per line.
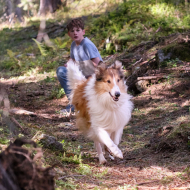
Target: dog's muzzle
(116,97)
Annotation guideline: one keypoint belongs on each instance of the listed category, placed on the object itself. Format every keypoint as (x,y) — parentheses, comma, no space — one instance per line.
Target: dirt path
(148,163)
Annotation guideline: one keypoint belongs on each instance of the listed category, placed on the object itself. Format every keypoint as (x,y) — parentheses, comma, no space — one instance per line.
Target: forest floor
(156,141)
(161,106)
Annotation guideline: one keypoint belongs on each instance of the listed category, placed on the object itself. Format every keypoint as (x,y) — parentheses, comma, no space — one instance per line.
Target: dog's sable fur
(102,105)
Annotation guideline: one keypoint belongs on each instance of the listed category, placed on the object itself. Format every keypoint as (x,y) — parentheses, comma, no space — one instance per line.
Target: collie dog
(102,105)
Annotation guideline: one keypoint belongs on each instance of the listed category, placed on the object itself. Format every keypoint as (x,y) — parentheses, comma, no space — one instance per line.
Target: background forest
(152,40)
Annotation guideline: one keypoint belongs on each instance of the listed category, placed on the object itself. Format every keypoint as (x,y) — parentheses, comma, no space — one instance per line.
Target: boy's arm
(95,61)
(92,52)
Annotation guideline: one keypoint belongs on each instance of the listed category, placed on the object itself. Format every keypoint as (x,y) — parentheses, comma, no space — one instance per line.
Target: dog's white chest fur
(106,113)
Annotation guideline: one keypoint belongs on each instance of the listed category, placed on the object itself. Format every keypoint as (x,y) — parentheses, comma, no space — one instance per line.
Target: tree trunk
(9,7)
(12,10)
(186,4)
(45,6)
(42,7)
(49,5)
(18,10)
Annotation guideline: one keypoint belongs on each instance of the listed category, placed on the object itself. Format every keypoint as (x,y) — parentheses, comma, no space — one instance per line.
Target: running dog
(102,105)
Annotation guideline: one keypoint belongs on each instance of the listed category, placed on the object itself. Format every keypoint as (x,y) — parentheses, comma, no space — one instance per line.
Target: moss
(180,51)
(181,131)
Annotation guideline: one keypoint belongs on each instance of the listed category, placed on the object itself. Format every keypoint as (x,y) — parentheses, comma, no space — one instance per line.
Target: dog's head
(110,80)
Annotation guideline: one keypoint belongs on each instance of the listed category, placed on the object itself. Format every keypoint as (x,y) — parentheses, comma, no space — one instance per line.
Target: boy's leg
(62,77)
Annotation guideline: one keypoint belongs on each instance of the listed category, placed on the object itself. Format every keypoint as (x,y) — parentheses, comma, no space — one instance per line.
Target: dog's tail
(74,75)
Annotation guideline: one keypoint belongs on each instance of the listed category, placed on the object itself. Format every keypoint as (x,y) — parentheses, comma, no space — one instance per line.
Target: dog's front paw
(117,152)
(102,160)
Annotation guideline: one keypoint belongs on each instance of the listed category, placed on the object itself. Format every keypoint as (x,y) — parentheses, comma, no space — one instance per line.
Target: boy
(83,51)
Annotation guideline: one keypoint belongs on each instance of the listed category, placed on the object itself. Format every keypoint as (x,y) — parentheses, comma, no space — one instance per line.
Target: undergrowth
(122,25)
(133,22)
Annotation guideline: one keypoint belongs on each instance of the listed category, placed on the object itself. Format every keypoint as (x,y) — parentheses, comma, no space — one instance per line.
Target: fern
(41,48)
(76,159)
(60,44)
(11,54)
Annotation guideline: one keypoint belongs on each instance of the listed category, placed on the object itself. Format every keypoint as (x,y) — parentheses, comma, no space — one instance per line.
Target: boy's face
(77,35)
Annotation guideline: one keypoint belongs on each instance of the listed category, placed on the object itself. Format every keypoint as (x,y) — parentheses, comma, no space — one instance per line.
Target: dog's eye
(98,79)
(108,81)
(121,77)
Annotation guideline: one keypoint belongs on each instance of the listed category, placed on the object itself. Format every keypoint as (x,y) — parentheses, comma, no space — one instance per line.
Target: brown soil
(150,161)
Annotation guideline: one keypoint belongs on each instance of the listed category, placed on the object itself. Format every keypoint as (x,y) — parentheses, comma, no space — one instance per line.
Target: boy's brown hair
(77,22)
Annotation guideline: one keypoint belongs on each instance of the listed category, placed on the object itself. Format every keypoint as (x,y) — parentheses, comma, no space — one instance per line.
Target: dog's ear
(100,70)
(101,62)
(116,65)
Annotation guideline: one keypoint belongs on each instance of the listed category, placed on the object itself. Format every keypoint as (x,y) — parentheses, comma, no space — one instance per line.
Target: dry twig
(144,183)
(137,62)
(69,176)
(183,183)
(17,123)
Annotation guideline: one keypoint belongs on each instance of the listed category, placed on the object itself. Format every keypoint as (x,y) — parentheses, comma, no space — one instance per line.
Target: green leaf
(41,47)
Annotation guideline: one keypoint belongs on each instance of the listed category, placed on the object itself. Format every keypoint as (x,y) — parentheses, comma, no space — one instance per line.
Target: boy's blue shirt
(85,51)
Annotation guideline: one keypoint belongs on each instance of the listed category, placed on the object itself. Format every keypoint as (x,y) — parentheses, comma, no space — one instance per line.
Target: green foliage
(84,169)
(64,42)
(167,179)
(171,62)
(41,48)
(31,5)
(72,159)
(187,171)
(126,187)
(135,21)
(4,140)
(100,175)
(96,188)
(51,65)
(48,79)
(13,59)
(69,184)
(10,53)
(56,92)
(129,23)
(60,93)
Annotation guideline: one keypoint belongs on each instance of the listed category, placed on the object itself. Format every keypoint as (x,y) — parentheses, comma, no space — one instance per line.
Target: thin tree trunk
(42,7)
(186,4)
(42,35)
(41,31)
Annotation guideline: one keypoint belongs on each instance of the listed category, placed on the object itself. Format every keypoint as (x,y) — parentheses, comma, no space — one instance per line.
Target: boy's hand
(95,65)
(65,65)
(95,61)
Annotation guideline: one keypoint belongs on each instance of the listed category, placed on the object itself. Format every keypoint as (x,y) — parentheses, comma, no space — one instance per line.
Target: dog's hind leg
(104,138)
(98,146)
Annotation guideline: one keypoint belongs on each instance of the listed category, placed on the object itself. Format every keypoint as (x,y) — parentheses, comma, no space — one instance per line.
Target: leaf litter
(155,143)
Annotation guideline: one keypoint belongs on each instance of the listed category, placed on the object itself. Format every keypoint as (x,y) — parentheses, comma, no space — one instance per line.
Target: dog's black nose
(117,94)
